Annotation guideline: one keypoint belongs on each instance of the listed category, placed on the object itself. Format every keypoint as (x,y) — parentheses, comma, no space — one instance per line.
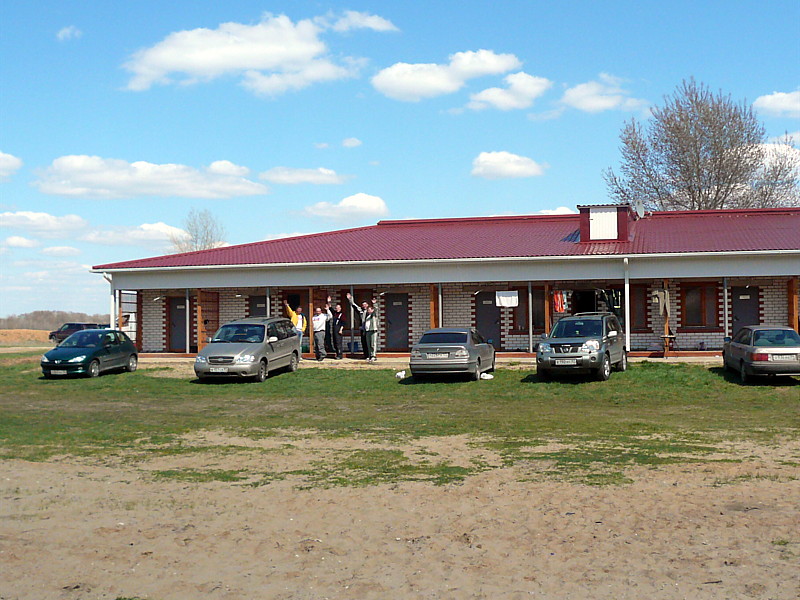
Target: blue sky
(281,118)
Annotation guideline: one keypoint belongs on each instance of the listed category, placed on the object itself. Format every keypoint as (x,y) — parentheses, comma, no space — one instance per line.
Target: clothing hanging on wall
(559,301)
(507,299)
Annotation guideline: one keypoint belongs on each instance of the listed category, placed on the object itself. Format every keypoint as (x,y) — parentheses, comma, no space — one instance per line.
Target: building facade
(678,281)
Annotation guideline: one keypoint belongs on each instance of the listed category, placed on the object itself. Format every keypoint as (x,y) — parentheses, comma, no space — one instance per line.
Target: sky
(285,118)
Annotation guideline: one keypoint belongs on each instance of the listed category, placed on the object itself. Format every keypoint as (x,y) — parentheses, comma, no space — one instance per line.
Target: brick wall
(154,321)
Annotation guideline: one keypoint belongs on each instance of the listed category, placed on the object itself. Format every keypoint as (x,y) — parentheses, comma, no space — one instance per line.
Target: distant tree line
(49,319)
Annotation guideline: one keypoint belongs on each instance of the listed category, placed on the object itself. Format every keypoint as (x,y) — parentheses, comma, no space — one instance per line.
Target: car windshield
(82,339)
(573,328)
(247,334)
(444,337)
(776,337)
(66,326)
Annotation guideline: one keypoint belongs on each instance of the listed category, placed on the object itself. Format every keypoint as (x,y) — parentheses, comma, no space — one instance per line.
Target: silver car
(761,350)
(452,350)
(583,343)
(249,348)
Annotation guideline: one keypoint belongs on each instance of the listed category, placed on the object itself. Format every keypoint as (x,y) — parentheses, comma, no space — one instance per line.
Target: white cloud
(522,90)
(504,165)
(9,164)
(282,236)
(60,251)
(794,138)
(97,177)
(351,142)
(68,33)
(356,206)
(413,82)
(43,224)
(358,20)
(287,175)
(561,210)
(780,104)
(273,56)
(17,241)
(598,96)
(147,234)
(321,145)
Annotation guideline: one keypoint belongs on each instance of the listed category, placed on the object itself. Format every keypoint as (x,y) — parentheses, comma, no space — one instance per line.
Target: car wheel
(261,375)
(622,365)
(604,371)
(743,375)
(133,362)
(476,375)
(292,363)
(94,368)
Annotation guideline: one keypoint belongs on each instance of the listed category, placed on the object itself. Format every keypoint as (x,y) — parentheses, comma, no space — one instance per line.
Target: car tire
(604,370)
(94,369)
(133,363)
(293,362)
(622,365)
(743,375)
(263,371)
(476,375)
(494,360)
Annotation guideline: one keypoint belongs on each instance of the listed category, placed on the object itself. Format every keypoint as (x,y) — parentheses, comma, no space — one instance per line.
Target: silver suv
(583,343)
(249,348)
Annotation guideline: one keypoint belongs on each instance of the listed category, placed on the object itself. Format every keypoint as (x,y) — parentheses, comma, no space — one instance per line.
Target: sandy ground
(78,530)
(24,337)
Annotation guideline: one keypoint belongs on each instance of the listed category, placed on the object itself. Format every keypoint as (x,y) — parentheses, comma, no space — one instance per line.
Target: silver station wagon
(249,348)
(761,350)
(450,351)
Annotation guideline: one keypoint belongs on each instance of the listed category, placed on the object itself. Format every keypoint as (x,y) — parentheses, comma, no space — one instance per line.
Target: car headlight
(460,353)
(80,358)
(416,353)
(44,358)
(200,359)
(245,358)
(590,346)
(545,348)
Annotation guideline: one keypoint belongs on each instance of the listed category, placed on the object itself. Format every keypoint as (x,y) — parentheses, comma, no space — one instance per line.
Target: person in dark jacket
(362,312)
(338,322)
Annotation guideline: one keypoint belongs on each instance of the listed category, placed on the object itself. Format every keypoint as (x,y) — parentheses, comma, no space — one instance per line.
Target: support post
(189,326)
(441,320)
(627,305)
(268,301)
(201,330)
(726,324)
(793,293)
(666,323)
(432,303)
(352,322)
(548,304)
(530,319)
(112,309)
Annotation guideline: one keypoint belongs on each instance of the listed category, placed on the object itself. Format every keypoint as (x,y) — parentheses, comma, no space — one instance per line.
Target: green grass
(652,414)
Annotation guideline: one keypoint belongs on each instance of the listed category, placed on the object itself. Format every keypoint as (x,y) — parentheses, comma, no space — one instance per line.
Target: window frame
(704,325)
(519,314)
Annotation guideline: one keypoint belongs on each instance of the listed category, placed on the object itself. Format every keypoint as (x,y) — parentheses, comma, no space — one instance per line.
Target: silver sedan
(452,350)
(762,350)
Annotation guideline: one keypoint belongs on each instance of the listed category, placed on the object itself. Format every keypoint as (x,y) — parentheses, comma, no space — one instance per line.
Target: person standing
(371,331)
(338,322)
(318,322)
(299,321)
(362,312)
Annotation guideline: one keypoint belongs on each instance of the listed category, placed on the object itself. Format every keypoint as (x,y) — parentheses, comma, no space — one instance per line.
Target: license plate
(218,369)
(566,362)
(784,357)
(58,372)
(437,355)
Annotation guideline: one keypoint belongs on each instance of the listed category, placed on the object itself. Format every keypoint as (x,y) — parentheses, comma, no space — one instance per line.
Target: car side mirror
(612,334)
(272,339)
(726,339)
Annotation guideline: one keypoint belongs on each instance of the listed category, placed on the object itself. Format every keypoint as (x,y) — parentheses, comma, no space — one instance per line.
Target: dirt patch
(86,531)
(23,337)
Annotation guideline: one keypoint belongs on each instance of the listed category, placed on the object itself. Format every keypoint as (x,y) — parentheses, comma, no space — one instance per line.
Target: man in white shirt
(318,322)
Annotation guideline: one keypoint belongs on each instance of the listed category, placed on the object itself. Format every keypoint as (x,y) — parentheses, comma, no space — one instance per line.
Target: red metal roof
(505,237)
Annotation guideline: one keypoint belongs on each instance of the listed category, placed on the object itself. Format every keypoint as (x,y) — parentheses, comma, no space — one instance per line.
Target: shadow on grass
(771,380)
(430,379)
(576,379)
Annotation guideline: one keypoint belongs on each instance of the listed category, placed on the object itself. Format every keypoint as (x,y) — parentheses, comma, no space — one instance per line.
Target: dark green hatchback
(90,352)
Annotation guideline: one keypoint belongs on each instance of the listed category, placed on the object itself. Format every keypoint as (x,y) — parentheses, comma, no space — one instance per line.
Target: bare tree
(203,231)
(703,151)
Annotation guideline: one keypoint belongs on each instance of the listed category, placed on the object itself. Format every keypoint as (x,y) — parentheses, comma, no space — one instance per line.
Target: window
(639,308)
(743,337)
(520,315)
(699,306)
(444,337)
